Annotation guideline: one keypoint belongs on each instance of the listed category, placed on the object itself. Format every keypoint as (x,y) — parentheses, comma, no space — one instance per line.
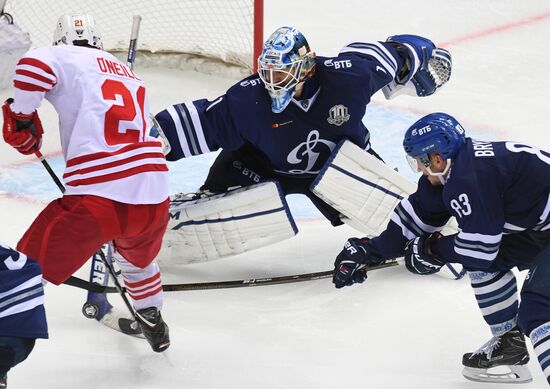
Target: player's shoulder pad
(335,63)
(249,82)
(246,90)
(44,54)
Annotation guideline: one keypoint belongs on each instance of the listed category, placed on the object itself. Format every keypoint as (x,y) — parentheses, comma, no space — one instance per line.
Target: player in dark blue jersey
(284,122)
(22,316)
(499,194)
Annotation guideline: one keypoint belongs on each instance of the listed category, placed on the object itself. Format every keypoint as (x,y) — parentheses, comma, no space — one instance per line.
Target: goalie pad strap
(365,181)
(231,218)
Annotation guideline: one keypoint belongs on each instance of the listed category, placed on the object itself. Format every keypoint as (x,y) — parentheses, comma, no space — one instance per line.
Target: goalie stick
(82,284)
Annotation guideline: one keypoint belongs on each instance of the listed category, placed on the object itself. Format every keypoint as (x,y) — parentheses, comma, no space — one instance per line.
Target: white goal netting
(221,29)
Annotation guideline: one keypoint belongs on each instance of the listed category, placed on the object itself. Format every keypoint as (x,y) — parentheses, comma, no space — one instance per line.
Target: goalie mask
(286,60)
(434,133)
(77,30)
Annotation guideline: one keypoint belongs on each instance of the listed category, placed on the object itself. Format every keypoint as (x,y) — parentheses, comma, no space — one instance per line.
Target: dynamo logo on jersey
(307,150)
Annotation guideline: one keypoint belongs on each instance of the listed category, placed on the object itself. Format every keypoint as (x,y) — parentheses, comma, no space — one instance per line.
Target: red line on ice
(495,29)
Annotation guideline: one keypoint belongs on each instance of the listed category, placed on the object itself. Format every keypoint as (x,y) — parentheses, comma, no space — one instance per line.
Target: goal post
(230,31)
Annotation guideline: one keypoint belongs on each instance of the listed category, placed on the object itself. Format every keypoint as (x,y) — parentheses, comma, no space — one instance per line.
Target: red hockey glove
(22,132)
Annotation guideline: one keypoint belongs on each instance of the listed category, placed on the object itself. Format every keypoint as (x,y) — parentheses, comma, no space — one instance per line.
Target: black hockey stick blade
(79,283)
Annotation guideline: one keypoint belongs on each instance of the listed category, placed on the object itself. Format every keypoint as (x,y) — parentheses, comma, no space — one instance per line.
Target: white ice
(395,331)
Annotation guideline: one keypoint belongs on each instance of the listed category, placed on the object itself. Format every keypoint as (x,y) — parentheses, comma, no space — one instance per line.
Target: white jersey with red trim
(103,122)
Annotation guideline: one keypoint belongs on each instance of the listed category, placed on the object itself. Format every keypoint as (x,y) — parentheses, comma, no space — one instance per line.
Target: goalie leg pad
(361,187)
(226,224)
(366,191)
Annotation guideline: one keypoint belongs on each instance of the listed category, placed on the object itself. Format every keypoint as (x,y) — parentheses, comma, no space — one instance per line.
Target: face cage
(292,77)
(415,163)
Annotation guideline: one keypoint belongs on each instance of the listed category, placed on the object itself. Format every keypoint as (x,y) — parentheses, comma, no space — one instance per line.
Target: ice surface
(394,331)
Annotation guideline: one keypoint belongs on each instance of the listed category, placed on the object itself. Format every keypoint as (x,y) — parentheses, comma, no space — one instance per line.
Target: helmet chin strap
(442,176)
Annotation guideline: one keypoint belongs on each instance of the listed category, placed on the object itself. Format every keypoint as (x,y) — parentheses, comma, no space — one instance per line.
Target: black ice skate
(157,335)
(505,355)
(4,382)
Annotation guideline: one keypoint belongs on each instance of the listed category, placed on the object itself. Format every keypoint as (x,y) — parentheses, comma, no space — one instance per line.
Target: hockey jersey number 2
(127,111)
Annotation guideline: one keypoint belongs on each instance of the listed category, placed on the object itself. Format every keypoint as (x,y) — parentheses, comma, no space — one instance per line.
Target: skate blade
(518,374)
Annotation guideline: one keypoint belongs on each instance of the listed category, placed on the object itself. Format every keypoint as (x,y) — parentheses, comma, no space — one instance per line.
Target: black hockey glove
(418,257)
(347,266)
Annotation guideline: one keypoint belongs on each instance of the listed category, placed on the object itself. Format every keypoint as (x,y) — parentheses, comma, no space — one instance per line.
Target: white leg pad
(365,191)
(362,188)
(226,224)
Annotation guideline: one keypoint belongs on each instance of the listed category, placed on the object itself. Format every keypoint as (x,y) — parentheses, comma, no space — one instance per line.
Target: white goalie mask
(77,30)
(286,60)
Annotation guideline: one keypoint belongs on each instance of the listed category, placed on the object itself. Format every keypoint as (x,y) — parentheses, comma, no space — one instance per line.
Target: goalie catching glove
(21,131)
(426,67)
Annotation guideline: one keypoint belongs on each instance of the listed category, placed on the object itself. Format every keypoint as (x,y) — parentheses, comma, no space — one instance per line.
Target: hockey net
(228,31)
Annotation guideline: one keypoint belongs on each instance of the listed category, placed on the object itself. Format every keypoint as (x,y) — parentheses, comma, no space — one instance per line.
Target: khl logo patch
(338,115)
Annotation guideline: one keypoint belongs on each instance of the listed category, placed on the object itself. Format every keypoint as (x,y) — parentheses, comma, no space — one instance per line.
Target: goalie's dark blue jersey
(21,296)
(494,189)
(298,140)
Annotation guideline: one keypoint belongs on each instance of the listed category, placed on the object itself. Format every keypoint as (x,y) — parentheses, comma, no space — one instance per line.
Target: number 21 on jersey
(125,112)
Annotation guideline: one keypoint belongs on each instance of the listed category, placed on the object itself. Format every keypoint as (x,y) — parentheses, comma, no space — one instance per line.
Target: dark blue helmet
(434,133)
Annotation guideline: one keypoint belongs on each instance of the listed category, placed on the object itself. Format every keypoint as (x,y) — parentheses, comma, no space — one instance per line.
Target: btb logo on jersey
(252,82)
(338,115)
(343,64)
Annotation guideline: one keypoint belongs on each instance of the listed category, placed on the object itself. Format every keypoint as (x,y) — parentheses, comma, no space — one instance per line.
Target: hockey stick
(82,284)
(3,14)
(135,315)
(132,47)
(96,302)
(50,170)
(95,307)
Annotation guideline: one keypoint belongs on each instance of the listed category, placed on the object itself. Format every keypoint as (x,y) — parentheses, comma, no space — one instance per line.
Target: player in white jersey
(116,174)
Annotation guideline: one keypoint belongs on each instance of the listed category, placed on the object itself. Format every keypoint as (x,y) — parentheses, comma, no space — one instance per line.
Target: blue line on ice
(385,124)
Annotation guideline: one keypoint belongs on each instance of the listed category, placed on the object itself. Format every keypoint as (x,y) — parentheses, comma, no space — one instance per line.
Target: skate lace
(488,347)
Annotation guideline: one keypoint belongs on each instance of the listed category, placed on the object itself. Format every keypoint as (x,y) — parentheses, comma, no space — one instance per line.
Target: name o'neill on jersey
(106,145)
(115,68)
